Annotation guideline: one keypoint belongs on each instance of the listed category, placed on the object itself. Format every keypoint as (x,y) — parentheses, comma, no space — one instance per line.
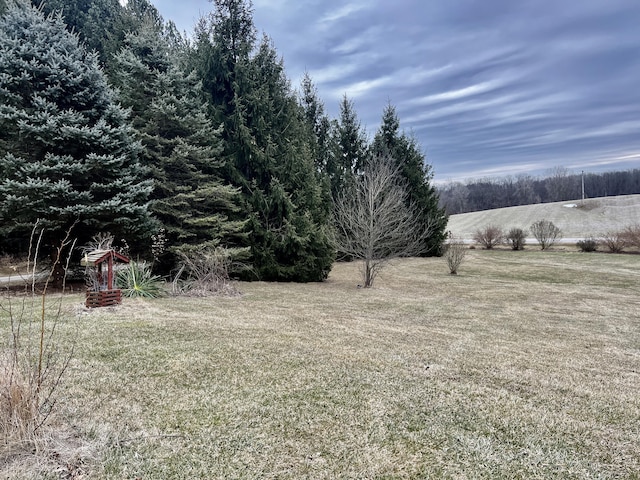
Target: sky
(488,87)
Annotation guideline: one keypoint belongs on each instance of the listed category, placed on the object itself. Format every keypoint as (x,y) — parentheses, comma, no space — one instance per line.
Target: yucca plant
(137,280)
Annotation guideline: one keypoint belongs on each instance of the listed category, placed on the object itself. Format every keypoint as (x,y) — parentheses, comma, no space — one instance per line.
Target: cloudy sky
(488,87)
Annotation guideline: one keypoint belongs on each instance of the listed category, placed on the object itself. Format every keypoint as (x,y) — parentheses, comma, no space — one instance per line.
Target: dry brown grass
(525,365)
(18,407)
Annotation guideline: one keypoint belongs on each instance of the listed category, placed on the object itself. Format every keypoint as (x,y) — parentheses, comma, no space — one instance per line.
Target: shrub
(489,236)
(455,251)
(614,241)
(546,233)
(137,280)
(205,271)
(516,238)
(588,245)
(631,236)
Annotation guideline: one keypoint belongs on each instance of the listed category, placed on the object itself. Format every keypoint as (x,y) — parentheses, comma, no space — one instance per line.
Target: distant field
(593,217)
(526,365)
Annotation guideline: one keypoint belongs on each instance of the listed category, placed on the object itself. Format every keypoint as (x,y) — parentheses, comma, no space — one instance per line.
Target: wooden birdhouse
(101,291)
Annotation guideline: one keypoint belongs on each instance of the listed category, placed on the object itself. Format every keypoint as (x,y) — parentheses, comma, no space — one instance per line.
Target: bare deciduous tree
(374,221)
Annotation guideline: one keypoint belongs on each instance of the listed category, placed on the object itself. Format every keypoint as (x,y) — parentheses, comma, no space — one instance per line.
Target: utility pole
(583,185)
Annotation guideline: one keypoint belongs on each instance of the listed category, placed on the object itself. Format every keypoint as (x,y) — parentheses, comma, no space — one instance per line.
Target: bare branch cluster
(455,251)
(617,240)
(546,233)
(489,236)
(631,236)
(614,240)
(205,271)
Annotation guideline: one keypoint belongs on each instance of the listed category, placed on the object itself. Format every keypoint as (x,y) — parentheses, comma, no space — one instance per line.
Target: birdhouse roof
(95,257)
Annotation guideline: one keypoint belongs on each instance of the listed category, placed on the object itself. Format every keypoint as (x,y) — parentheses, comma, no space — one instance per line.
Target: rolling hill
(577,219)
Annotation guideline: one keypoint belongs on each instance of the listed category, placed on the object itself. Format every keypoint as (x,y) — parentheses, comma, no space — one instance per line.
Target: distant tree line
(560,185)
(112,120)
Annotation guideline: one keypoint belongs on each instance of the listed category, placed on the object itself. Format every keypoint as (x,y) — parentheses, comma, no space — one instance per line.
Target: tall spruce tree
(265,140)
(181,146)
(293,213)
(66,149)
(318,132)
(405,151)
(350,148)
(318,124)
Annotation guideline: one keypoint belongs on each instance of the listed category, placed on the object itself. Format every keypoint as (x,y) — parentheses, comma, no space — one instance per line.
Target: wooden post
(110,273)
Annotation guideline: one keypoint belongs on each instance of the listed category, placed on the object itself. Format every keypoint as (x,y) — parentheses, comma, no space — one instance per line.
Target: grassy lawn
(526,365)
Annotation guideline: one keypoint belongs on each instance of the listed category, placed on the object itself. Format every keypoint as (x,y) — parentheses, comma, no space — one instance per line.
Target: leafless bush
(614,241)
(455,251)
(205,271)
(546,233)
(516,238)
(489,236)
(631,236)
(31,360)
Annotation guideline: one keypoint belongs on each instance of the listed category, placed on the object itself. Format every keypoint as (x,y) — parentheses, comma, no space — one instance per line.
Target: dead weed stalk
(32,361)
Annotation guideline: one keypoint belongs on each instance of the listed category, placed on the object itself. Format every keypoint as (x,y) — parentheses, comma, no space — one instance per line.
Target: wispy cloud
(488,88)
(334,15)
(460,93)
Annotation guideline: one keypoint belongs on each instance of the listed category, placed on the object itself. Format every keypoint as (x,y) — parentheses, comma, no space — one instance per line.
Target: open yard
(526,365)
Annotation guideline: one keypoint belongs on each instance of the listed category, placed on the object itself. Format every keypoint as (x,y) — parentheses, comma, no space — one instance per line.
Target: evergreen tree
(265,140)
(66,149)
(290,237)
(318,132)
(182,147)
(350,148)
(405,151)
(224,42)
(94,21)
(318,124)
(133,17)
